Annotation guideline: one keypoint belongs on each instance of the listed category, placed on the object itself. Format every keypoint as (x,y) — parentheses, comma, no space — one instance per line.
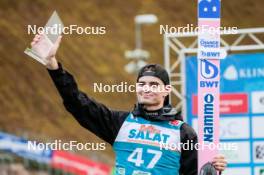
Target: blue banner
(241,109)
(21,147)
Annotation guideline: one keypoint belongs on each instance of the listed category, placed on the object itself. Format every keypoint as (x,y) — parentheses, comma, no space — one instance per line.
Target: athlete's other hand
(219,162)
(51,59)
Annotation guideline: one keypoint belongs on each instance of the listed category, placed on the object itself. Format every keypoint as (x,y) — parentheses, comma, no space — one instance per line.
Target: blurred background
(30,106)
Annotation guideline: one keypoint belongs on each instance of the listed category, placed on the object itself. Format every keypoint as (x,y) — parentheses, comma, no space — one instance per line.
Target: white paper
(41,50)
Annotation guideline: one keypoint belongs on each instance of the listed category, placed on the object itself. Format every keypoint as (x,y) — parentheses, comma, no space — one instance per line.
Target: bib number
(136,157)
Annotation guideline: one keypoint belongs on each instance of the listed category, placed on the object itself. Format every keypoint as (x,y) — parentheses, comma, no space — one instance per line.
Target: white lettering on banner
(232,102)
(226,105)
(232,73)
(148,134)
(251,73)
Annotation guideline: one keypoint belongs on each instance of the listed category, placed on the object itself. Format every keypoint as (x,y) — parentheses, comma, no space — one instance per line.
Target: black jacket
(105,123)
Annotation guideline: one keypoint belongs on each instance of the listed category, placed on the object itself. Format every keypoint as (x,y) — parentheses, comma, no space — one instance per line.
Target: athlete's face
(151,91)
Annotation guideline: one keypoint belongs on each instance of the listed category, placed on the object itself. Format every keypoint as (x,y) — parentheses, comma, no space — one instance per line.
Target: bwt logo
(209,8)
(208,71)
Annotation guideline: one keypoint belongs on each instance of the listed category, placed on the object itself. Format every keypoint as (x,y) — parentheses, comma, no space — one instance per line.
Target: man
(139,137)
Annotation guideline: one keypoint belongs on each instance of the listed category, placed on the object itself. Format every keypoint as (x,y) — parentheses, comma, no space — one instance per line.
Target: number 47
(136,157)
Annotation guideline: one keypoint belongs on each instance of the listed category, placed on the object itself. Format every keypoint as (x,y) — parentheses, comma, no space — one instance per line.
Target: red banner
(78,164)
(229,104)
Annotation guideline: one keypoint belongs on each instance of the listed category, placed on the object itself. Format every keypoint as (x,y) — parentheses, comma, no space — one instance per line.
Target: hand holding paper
(45,45)
(42,46)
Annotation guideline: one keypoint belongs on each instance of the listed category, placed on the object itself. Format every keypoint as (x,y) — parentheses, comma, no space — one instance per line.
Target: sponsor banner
(208,113)
(241,87)
(208,73)
(257,102)
(209,40)
(239,155)
(230,103)
(20,147)
(240,73)
(230,128)
(257,127)
(78,164)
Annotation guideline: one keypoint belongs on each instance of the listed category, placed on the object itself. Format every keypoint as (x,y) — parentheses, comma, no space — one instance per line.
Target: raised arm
(94,116)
